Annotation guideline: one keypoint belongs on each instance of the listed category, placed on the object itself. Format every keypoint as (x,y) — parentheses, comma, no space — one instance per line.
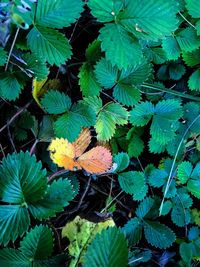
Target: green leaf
(194,81)
(55,102)
(58,14)
(10,88)
(25,180)
(142,114)
(93,52)
(34,250)
(180,215)
(132,182)
(3,56)
(145,207)
(193,8)
(186,252)
(126,91)
(58,195)
(36,65)
(38,243)
(158,235)
(111,114)
(120,48)
(113,253)
(184,171)
(135,146)
(49,44)
(176,71)
(105,11)
(171,48)
(14,222)
(191,58)
(87,81)
(122,160)
(12,257)
(194,187)
(81,233)
(106,74)
(157,178)
(133,231)
(188,39)
(69,125)
(147,19)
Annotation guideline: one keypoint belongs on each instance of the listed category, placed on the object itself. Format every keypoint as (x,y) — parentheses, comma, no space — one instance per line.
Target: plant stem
(11,49)
(15,116)
(169,91)
(170,178)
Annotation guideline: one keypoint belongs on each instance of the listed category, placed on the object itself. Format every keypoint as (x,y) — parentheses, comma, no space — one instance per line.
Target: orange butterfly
(71,156)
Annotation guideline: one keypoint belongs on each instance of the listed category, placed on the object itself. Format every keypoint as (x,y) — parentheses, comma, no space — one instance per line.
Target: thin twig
(186,20)
(63,171)
(32,150)
(11,49)
(10,138)
(15,116)
(108,205)
(82,197)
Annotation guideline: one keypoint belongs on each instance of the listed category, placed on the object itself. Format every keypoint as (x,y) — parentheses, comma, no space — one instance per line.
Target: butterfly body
(72,156)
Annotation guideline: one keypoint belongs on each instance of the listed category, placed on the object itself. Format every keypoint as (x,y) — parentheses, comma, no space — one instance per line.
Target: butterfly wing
(97,160)
(62,153)
(82,142)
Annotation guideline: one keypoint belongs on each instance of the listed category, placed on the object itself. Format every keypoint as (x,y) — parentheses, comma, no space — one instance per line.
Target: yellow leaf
(80,233)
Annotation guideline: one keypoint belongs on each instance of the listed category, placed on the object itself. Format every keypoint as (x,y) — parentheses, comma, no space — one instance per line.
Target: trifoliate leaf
(122,160)
(81,233)
(171,48)
(49,44)
(58,14)
(147,19)
(184,171)
(87,81)
(158,235)
(55,102)
(194,81)
(120,48)
(113,253)
(133,231)
(111,114)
